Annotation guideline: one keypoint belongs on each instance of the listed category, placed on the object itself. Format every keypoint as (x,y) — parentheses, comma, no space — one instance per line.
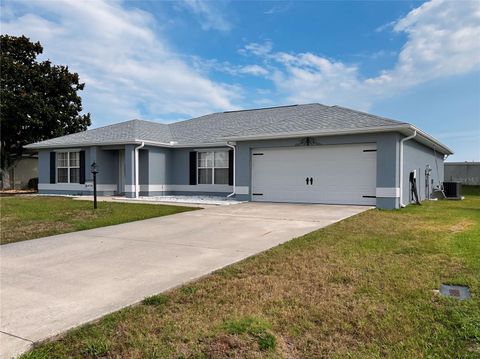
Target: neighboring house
(19,175)
(301,153)
(467,173)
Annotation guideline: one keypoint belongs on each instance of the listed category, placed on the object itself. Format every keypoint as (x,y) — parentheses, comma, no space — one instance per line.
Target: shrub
(33,183)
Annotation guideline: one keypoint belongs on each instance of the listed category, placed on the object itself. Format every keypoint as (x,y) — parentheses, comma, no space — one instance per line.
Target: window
(213,167)
(68,167)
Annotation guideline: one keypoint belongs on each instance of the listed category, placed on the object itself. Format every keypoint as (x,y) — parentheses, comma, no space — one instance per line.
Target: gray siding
(107,161)
(180,166)
(159,165)
(144,166)
(165,166)
(416,157)
(387,159)
(44,166)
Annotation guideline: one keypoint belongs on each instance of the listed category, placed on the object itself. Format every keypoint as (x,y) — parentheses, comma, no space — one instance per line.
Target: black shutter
(230,168)
(52,167)
(82,167)
(193,168)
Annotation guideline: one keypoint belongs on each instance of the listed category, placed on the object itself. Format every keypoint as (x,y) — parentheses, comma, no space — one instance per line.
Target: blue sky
(417,62)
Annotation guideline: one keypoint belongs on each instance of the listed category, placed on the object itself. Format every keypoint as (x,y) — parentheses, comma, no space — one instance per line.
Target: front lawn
(33,217)
(361,288)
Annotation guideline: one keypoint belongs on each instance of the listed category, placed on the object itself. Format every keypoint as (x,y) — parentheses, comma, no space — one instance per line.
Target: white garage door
(334,174)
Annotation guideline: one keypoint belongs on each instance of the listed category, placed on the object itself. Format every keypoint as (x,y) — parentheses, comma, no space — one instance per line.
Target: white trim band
(189,188)
(388,192)
(88,186)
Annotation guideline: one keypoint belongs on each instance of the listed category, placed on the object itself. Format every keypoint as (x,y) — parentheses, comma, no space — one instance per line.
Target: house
(22,175)
(308,153)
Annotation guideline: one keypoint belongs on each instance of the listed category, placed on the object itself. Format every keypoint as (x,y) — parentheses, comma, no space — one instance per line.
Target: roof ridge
(369,114)
(260,108)
(245,110)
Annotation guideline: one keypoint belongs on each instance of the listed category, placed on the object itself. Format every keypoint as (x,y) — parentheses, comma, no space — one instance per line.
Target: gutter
(137,184)
(402,128)
(33,146)
(232,146)
(401,164)
(317,133)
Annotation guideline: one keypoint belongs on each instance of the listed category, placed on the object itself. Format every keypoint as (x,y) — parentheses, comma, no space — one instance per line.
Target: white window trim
(212,168)
(68,167)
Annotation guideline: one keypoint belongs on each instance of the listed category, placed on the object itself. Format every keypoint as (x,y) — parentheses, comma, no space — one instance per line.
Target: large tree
(38,101)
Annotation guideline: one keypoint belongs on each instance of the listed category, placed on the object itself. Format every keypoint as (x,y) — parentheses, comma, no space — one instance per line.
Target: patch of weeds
(96,348)
(43,353)
(267,341)
(188,290)
(340,279)
(229,272)
(257,328)
(155,300)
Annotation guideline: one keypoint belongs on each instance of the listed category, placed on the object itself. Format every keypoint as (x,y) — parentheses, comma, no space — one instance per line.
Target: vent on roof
(262,108)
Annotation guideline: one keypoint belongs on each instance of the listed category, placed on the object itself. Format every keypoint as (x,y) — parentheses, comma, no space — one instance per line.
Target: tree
(38,100)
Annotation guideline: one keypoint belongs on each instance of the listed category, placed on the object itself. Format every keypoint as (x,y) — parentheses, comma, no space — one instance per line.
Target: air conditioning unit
(452,190)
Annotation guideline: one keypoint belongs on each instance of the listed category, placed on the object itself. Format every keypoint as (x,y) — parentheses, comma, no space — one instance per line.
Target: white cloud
(442,40)
(309,78)
(278,8)
(254,70)
(210,17)
(386,26)
(257,49)
(128,69)
(211,65)
(306,77)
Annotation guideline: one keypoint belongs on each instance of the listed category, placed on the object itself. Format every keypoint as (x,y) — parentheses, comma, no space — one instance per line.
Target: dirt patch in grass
(462,226)
(361,288)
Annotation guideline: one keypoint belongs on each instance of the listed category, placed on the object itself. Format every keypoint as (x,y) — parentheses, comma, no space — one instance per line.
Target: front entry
(121,172)
(331,174)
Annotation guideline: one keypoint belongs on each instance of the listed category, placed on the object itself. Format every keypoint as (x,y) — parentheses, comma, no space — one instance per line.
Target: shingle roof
(217,127)
(276,120)
(123,132)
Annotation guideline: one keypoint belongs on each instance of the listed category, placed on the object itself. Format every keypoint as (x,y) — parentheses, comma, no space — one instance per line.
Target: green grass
(156,300)
(25,218)
(360,288)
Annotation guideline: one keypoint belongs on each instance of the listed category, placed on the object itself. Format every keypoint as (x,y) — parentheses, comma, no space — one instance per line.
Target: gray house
(302,153)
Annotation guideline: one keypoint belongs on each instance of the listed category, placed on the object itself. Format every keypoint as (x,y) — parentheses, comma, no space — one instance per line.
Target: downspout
(401,165)
(234,153)
(137,181)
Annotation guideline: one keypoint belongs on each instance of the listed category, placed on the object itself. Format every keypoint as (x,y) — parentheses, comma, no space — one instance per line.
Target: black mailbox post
(94,171)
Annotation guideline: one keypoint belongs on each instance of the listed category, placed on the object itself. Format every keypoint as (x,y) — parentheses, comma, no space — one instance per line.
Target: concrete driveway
(51,284)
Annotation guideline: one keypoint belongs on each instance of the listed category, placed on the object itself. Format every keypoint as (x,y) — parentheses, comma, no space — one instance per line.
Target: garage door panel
(342,174)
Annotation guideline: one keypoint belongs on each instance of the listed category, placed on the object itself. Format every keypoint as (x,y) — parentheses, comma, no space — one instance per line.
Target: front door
(121,172)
